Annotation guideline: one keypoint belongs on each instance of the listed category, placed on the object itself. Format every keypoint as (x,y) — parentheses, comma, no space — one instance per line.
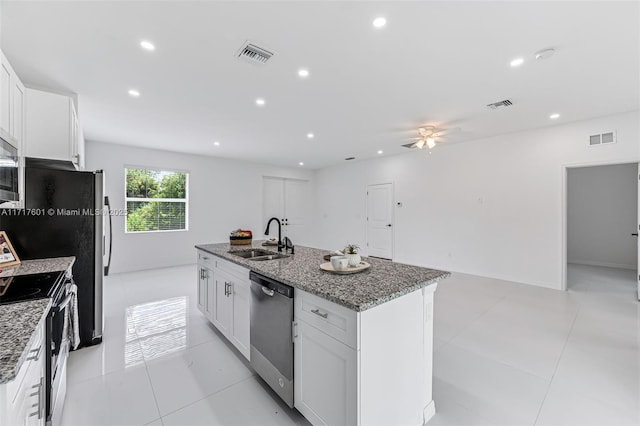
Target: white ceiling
(434,63)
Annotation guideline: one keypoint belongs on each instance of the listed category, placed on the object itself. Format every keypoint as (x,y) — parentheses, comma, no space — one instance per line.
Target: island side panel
(393,369)
(429,405)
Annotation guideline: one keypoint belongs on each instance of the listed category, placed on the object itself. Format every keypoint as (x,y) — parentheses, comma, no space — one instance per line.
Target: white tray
(348,270)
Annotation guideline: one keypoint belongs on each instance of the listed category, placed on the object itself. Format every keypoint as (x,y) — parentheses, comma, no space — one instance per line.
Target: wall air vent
(602,138)
(496,105)
(250,52)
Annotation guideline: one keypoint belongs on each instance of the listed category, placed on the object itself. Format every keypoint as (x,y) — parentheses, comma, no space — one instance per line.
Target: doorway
(380,220)
(602,221)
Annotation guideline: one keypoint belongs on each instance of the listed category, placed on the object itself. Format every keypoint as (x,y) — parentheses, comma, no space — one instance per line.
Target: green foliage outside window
(156,200)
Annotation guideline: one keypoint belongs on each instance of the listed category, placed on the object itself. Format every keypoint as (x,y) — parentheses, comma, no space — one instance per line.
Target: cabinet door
(202,290)
(18,99)
(5,96)
(239,336)
(326,378)
(210,293)
(74,135)
(222,302)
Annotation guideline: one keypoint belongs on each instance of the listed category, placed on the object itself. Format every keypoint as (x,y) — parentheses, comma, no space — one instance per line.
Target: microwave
(9,172)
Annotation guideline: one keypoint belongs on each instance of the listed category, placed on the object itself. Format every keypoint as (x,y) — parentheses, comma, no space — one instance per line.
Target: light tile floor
(505,354)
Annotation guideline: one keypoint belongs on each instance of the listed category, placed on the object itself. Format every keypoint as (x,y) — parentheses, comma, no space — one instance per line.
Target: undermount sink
(258,254)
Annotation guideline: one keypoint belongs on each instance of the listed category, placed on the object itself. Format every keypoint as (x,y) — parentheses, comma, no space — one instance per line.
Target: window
(156,200)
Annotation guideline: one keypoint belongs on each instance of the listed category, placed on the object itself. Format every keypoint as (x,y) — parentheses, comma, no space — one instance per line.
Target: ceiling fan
(429,136)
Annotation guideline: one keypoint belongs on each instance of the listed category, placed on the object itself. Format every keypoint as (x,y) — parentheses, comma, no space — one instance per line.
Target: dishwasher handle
(268,291)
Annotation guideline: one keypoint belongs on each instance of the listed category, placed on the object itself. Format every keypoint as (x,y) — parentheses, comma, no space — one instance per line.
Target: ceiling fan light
(431,142)
(420,143)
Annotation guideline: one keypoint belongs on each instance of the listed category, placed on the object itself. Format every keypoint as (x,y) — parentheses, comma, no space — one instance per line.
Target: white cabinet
(224,298)
(325,388)
(22,400)
(289,201)
(12,118)
(361,368)
(53,130)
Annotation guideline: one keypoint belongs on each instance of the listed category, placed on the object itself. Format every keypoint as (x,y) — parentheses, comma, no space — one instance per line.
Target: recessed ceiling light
(216,143)
(134,93)
(147,45)
(554,116)
(517,62)
(310,136)
(301,163)
(380,151)
(303,73)
(260,102)
(379,22)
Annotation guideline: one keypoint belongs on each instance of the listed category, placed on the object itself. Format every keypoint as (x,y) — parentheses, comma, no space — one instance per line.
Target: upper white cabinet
(53,130)
(289,201)
(12,104)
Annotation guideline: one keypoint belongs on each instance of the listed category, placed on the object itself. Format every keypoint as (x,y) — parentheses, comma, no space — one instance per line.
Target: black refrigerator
(66,214)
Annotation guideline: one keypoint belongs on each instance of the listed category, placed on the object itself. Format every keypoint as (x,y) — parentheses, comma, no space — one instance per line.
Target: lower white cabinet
(22,400)
(325,390)
(224,297)
(364,368)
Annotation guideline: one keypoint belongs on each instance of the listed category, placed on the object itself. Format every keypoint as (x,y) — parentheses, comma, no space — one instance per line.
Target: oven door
(59,351)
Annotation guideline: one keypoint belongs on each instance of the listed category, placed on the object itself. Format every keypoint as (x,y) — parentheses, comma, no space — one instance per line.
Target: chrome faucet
(266,231)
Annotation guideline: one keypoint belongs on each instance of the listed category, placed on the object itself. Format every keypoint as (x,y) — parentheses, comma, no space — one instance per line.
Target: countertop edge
(356,308)
(25,351)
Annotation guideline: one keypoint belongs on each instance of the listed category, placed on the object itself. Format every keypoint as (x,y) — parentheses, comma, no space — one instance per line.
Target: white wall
(602,211)
(491,207)
(223,195)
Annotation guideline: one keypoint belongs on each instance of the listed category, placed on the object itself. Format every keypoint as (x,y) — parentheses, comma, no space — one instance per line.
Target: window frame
(184,200)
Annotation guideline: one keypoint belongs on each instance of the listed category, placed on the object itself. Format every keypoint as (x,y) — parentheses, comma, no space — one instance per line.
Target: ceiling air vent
(254,54)
(496,105)
(602,139)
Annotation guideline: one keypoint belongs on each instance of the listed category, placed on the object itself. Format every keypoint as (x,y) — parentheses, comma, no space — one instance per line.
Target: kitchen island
(363,342)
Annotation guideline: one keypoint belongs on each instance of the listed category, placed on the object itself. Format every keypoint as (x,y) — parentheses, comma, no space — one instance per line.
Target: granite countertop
(18,321)
(37,266)
(384,281)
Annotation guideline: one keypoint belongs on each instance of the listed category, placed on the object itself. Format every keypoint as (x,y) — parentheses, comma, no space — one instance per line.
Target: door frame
(393,216)
(565,195)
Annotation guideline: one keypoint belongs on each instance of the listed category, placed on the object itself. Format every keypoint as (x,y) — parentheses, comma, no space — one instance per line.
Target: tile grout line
(207,396)
(575,318)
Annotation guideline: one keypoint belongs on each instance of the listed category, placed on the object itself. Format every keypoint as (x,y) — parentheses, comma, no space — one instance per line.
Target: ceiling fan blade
(446,131)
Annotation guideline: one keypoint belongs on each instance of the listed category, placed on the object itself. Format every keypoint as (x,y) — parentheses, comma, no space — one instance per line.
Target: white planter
(353,259)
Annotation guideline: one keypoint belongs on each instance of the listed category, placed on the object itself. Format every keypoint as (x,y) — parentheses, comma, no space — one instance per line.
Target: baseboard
(603,264)
(428,412)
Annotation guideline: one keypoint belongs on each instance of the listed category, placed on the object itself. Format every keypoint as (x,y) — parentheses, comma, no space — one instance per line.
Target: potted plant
(351,252)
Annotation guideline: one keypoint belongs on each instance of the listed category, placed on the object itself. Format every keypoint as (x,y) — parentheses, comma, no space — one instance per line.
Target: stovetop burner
(28,287)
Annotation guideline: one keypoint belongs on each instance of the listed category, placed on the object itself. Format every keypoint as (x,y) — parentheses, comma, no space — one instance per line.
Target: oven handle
(64,303)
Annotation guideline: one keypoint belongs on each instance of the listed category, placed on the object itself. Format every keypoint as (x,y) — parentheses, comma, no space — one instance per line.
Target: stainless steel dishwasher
(271,342)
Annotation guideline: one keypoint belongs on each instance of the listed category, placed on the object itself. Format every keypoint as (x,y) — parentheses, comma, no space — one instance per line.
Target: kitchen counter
(384,281)
(37,266)
(18,321)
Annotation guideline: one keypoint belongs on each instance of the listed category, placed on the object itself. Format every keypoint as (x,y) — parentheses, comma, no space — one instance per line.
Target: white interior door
(296,209)
(380,220)
(272,202)
(638,237)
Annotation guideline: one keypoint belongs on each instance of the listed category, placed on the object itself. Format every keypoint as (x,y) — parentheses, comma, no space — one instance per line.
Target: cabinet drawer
(206,259)
(35,353)
(337,321)
(238,271)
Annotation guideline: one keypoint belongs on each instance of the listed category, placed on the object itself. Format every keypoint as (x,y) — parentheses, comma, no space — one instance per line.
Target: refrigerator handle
(108,206)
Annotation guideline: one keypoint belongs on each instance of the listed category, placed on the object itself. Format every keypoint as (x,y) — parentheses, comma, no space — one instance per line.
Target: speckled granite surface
(38,266)
(18,321)
(382,282)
